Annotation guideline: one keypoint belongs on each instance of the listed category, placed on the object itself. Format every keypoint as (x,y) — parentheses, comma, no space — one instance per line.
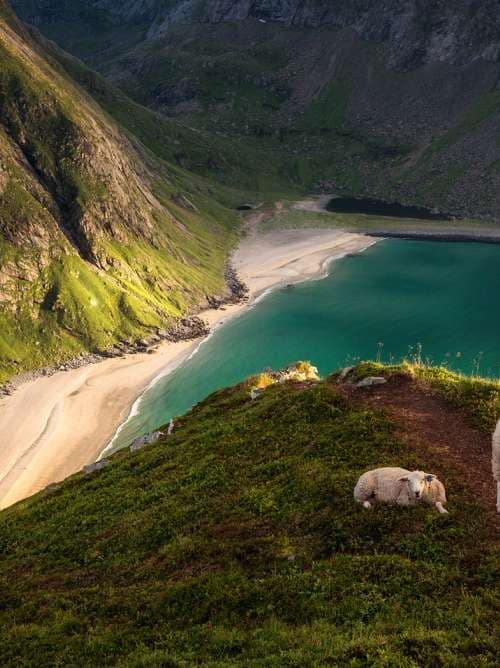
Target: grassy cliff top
(236,540)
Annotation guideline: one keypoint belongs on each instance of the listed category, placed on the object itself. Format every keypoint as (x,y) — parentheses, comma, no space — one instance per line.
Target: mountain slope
(236,541)
(416,33)
(94,244)
(230,160)
(399,100)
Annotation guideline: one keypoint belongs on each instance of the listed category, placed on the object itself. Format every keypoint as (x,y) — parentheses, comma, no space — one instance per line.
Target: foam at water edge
(324,273)
(134,411)
(170,368)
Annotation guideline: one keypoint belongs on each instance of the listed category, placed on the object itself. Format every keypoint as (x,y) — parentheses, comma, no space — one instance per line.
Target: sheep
(495,461)
(397,485)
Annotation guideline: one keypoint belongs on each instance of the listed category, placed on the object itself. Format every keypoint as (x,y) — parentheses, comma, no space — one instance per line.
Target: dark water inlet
(376,207)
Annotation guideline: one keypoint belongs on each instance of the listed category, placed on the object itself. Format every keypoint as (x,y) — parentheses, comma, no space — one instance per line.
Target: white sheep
(397,485)
(495,461)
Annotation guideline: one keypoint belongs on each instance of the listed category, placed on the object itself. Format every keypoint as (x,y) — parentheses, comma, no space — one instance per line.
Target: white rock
(370,381)
(345,372)
(96,466)
(255,393)
(148,439)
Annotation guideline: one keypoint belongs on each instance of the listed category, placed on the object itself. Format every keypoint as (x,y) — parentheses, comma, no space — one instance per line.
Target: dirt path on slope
(430,424)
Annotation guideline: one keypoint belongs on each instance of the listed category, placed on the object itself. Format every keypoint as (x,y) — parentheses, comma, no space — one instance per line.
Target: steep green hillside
(94,245)
(236,541)
(249,169)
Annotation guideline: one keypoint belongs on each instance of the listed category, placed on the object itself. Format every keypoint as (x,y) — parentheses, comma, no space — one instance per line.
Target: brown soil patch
(430,423)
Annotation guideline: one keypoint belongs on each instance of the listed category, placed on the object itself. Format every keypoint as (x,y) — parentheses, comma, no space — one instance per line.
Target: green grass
(44,127)
(236,541)
(328,111)
(482,109)
(72,306)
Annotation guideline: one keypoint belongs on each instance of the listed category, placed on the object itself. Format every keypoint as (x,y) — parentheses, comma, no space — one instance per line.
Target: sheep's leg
(498,496)
(367,504)
(440,508)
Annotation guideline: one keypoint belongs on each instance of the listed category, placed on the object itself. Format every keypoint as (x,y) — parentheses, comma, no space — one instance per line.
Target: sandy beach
(52,426)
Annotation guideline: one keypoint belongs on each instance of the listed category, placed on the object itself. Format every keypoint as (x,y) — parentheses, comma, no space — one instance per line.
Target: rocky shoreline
(188,328)
(434,236)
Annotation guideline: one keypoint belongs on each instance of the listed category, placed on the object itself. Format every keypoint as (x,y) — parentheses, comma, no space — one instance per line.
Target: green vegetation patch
(290,218)
(482,109)
(71,306)
(328,112)
(236,541)
(46,133)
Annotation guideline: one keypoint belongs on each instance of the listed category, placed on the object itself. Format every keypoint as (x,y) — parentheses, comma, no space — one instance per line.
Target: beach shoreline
(239,259)
(53,425)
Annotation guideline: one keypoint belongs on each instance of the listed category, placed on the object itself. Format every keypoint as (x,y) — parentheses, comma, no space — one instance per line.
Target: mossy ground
(236,541)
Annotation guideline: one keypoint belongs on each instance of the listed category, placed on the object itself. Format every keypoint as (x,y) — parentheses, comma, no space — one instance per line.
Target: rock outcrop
(415,32)
(143,441)
(299,372)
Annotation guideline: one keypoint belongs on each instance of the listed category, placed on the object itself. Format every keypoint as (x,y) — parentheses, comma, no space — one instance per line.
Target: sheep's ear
(430,477)
(403,479)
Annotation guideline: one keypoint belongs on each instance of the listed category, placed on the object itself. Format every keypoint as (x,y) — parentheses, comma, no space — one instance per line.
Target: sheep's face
(417,481)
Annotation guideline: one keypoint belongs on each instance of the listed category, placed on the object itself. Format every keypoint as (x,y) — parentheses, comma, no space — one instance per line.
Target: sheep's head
(417,482)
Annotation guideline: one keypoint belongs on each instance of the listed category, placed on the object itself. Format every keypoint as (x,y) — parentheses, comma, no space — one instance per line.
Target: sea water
(438,301)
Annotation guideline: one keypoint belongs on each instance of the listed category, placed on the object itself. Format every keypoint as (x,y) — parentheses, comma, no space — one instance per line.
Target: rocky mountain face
(94,245)
(417,31)
(399,99)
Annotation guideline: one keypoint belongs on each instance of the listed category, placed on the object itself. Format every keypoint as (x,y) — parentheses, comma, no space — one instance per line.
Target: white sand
(54,425)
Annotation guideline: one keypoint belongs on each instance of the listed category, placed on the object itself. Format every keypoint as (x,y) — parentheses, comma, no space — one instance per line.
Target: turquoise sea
(390,301)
